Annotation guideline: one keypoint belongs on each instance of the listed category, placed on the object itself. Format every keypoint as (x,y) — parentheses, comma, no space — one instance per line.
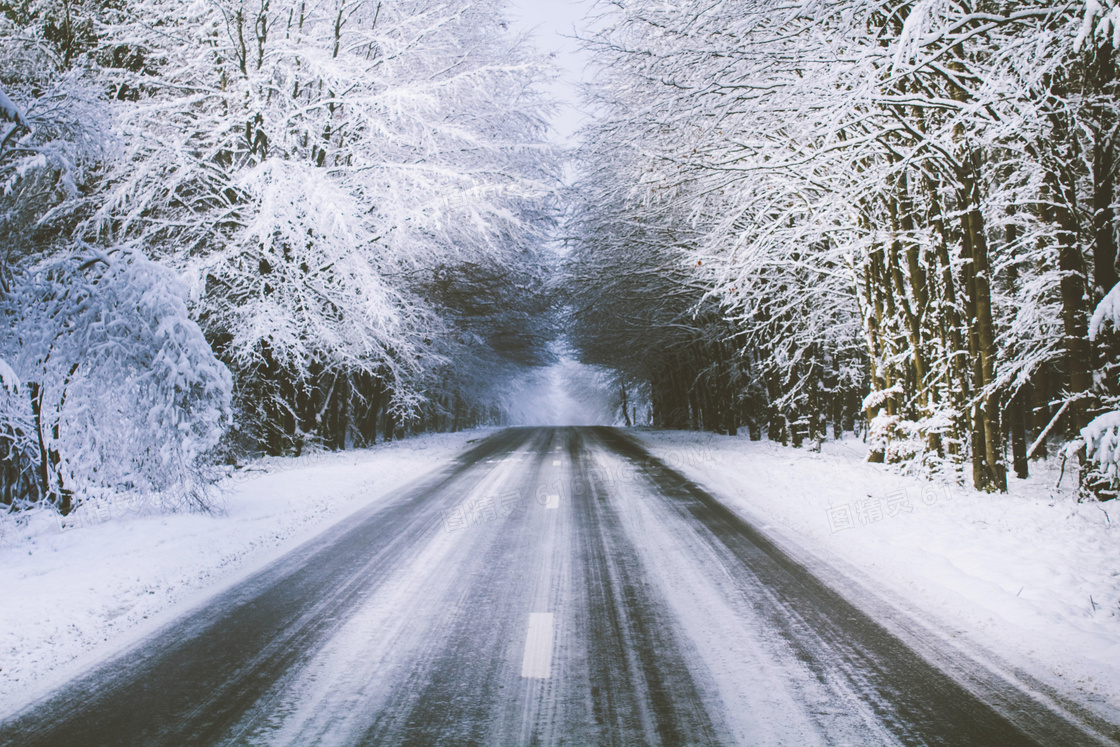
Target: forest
(261,226)
(237,227)
(892,217)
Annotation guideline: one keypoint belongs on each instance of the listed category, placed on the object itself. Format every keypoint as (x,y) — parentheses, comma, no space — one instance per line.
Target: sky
(551,24)
(567,393)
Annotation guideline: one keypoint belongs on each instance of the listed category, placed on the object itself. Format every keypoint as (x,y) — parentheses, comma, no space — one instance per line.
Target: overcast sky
(551,24)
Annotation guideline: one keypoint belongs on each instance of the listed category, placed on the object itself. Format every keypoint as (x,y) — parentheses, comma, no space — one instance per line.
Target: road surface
(552,586)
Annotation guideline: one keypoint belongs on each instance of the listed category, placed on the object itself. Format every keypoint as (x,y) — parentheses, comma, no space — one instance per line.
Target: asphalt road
(552,586)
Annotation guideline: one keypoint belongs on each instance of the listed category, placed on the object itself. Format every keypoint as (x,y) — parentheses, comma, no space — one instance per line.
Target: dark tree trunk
(374,412)
(342,413)
(1075,306)
(1041,412)
(390,426)
(36,392)
(1102,78)
(1016,423)
(976,249)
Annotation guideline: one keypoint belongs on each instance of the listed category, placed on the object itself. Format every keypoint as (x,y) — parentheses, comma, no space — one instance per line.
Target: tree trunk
(1075,305)
(976,249)
(390,426)
(1102,74)
(36,392)
(1017,426)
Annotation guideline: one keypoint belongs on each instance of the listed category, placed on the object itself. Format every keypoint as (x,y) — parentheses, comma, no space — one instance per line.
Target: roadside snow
(74,592)
(1032,577)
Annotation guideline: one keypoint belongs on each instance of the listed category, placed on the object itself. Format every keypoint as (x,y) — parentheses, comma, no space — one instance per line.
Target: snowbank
(75,590)
(1032,577)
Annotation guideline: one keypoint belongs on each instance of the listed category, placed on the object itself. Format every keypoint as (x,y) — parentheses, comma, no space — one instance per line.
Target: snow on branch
(9,381)
(1099,19)
(9,112)
(915,27)
(1102,443)
(1107,313)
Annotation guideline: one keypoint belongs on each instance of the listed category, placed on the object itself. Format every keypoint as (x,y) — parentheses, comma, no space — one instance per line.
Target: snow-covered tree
(122,392)
(903,201)
(1102,435)
(321,174)
(351,199)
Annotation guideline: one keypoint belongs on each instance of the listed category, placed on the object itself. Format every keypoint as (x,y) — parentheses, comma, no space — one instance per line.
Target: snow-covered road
(550,586)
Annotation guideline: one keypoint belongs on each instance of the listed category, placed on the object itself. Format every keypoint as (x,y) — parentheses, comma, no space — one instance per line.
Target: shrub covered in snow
(19,483)
(117,391)
(893,439)
(1102,446)
(1102,435)
(1106,318)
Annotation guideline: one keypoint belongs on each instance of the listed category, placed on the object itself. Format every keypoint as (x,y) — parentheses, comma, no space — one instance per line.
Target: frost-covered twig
(1046,431)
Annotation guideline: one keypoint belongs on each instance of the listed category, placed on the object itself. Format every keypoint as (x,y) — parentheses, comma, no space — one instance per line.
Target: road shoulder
(1003,575)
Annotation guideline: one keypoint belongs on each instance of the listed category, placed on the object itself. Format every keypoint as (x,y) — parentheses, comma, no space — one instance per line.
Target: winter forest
(261,226)
(237,227)
(897,216)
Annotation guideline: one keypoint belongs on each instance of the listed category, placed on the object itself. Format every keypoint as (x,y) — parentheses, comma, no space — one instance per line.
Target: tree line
(884,214)
(249,226)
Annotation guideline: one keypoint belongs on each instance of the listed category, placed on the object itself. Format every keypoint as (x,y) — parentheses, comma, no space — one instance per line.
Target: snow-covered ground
(70,594)
(1033,577)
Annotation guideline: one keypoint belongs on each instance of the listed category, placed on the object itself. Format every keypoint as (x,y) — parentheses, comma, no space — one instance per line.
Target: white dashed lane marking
(538,646)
